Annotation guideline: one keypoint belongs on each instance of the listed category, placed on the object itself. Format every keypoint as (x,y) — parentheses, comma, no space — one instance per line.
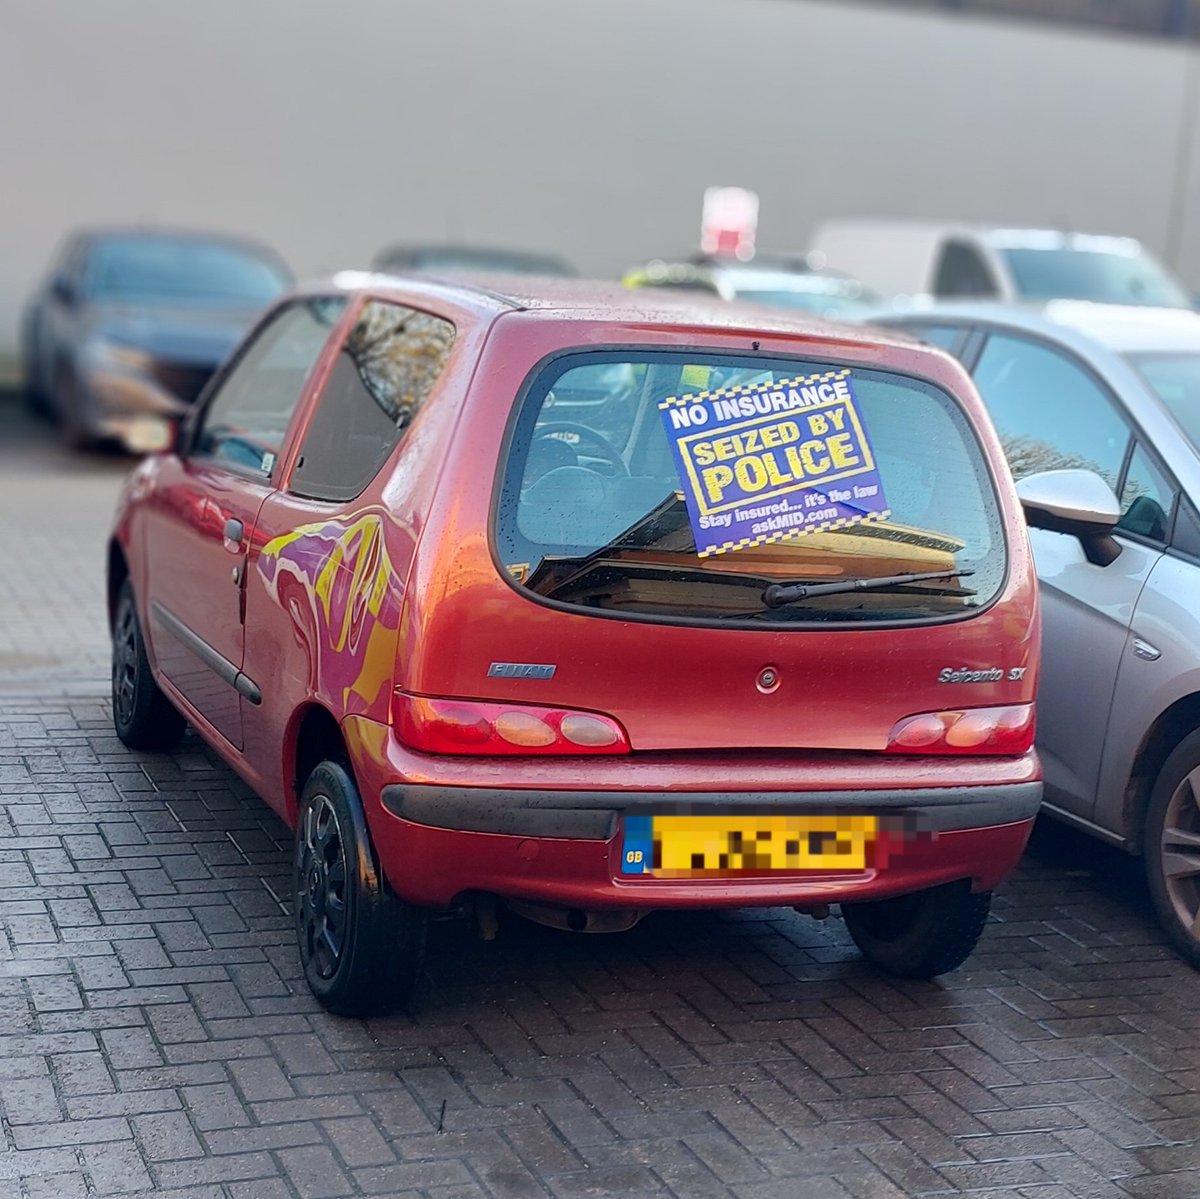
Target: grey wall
(591,126)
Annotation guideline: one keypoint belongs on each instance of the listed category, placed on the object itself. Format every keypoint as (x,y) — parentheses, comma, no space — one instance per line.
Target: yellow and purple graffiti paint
(336,579)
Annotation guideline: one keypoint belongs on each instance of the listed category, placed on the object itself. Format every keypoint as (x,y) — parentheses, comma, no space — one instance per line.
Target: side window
(1146,499)
(1050,413)
(1186,536)
(962,272)
(389,364)
(244,425)
(945,337)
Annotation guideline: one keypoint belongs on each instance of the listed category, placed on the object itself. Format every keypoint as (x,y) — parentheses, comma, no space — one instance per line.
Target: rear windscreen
(681,486)
(1128,278)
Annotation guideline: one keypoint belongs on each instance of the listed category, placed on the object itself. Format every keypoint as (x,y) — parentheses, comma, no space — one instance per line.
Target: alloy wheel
(1180,850)
(321,882)
(125,664)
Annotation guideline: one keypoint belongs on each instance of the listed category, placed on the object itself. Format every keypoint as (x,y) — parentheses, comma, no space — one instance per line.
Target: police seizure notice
(773,460)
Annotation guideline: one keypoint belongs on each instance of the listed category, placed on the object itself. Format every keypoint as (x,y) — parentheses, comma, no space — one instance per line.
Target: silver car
(1099,390)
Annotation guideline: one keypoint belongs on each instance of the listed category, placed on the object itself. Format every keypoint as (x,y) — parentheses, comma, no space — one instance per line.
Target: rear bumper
(446,827)
(434,867)
(565,848)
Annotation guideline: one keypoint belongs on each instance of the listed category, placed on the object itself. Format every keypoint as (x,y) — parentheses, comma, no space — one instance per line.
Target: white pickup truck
(944,259)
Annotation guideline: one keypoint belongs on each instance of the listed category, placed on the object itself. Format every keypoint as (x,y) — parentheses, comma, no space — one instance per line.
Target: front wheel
(68,403)
(920,935)
(1172,847)
(142,715)
(36,403)
(361,947)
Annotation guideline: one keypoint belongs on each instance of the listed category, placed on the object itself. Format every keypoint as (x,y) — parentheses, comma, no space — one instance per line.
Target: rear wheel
(920,935)
(1172,847)
(361,947)
(142,715)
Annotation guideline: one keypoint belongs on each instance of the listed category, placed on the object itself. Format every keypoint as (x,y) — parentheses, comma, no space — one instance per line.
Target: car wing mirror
(1077,502)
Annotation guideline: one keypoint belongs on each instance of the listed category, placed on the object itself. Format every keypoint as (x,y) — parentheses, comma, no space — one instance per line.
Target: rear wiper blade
(779,594)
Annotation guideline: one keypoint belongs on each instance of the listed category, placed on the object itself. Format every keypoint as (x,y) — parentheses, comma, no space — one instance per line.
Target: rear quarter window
(596,513)
(390,362)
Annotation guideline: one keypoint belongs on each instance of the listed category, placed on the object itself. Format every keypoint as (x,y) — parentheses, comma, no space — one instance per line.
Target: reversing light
(524,729)
(452,726)
(1006,730)
(599,732)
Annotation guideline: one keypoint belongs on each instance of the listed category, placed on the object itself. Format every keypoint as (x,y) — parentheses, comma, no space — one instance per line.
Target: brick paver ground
(155,1038)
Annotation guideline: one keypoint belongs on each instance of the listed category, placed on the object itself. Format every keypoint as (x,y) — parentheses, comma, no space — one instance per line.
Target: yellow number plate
(688,846)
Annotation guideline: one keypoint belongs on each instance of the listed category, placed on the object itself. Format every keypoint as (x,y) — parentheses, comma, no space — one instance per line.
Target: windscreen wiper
(779,594)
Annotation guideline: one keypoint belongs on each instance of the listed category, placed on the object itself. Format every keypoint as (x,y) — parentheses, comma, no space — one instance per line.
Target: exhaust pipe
(576,920)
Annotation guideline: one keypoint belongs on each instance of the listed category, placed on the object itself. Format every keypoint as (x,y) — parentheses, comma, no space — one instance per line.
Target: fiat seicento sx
(590,605)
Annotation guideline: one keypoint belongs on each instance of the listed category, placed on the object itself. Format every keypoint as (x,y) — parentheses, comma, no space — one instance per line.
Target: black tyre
(36,402)
(1172,847)
(920,935)
(33,388)
(68,405)
(142,715)
(361,947)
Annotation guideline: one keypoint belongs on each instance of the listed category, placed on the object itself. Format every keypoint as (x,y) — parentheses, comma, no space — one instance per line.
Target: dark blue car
(132,322)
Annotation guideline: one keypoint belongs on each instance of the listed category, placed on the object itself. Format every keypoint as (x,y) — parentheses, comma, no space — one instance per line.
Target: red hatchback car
(592,603)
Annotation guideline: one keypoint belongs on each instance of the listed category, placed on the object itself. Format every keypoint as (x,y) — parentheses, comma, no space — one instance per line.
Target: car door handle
(234,530)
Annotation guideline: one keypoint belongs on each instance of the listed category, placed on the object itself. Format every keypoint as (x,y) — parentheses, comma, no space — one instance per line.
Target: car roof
(99,233)
(772,268)
(593,299)
(1130,329)
(1059,239)
(1034,237)
(1009,237)
(90,237)
(1116,328)
(416,252)
(785,280)
(750,275)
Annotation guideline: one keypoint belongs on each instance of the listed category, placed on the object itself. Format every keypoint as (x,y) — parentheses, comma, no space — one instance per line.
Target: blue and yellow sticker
(772,460)
(637,853)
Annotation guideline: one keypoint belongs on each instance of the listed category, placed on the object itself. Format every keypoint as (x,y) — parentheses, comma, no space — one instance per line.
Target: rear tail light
(1007,730)
(455,726)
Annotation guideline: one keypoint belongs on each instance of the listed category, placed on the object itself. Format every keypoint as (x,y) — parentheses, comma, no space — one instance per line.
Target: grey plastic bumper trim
(592,815)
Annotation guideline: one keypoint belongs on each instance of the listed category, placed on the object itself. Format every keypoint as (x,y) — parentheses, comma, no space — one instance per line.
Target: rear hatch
(725,549)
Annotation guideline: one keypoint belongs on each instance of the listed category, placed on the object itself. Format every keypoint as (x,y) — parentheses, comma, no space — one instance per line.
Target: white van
(943,259)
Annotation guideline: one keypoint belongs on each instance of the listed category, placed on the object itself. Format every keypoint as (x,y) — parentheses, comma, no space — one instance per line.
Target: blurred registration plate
(695,846)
